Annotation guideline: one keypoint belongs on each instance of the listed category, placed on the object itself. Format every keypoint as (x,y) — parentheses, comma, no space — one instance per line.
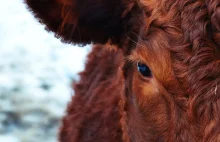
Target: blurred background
(36,71)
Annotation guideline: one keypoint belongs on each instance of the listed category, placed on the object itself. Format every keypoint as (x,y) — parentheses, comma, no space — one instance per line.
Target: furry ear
(83,21)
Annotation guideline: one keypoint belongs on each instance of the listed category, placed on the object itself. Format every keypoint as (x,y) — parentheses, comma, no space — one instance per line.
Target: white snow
(36,71)
(8,138)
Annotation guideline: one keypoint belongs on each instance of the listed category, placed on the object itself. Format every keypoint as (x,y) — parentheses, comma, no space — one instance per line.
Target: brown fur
(180,42)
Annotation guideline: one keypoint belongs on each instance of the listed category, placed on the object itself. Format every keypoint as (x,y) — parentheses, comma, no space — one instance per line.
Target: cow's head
(172,65)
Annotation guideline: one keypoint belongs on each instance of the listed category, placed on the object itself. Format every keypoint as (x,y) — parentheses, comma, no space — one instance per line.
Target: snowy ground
(35,74)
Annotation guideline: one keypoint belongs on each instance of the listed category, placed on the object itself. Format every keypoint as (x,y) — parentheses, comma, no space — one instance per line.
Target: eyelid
(133,60)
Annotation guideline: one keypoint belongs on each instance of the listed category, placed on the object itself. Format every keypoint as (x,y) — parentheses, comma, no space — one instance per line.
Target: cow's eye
(144,69)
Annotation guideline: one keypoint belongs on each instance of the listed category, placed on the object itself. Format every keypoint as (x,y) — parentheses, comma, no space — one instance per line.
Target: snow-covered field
(36,70)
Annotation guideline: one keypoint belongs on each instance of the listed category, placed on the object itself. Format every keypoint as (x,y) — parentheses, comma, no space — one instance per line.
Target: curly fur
(178,39)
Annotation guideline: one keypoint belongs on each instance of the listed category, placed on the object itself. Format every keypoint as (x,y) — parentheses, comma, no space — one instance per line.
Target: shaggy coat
(177,41)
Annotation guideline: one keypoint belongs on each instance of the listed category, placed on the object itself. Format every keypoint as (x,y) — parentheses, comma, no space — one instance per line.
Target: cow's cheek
(150,100)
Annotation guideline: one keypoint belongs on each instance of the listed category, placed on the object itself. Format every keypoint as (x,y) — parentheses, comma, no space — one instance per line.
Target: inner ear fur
(84,21)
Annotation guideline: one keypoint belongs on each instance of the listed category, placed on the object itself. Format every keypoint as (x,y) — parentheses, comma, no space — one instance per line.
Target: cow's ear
(83,21)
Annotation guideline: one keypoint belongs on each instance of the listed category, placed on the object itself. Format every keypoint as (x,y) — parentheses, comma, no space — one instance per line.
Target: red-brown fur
(180,42)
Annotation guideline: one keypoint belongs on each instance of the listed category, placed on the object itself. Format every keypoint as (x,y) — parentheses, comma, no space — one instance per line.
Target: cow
(153,74)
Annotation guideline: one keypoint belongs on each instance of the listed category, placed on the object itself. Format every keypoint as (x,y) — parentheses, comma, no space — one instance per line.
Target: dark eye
(144,69)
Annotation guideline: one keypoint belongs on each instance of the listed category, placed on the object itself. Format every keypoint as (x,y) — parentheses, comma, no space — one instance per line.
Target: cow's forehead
(161,29)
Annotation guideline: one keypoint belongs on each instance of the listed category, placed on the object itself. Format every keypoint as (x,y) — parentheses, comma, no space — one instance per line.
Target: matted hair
(180,40)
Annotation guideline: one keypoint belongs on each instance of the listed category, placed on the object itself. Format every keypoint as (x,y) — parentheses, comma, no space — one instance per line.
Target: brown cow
(160,83)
